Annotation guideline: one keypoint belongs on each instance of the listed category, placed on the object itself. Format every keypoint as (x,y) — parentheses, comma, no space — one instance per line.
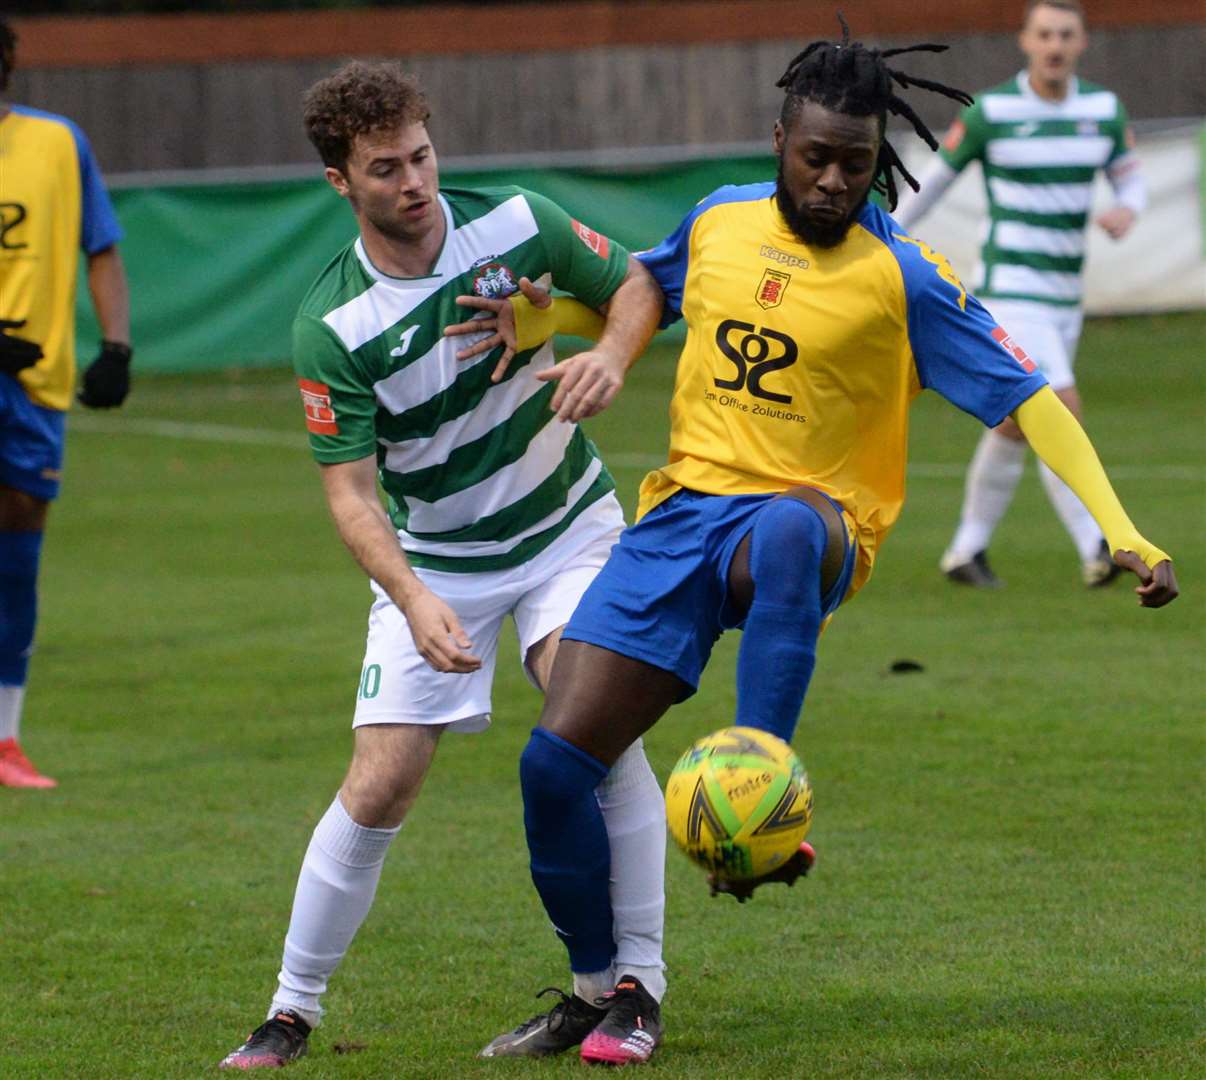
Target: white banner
(1159,266)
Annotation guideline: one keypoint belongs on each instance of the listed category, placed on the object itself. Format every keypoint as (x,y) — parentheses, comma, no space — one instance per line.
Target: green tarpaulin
(217,270)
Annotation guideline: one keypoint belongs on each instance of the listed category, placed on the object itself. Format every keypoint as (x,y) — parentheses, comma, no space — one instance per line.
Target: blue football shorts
(662,595)
(31,442)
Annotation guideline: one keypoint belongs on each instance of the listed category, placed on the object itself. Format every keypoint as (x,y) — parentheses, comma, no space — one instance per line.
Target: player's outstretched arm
(588,382)
(351,490)
(1062,443)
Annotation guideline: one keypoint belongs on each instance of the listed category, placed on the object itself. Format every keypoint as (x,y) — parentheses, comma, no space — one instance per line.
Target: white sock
(335,890)
(635,813)
(593,984)
(1081,525)
(992,478)
(11,699)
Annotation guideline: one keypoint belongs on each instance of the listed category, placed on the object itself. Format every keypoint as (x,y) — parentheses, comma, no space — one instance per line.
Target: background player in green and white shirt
(1041,138)
(498,505)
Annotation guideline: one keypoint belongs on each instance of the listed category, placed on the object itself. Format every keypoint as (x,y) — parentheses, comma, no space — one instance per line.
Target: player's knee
(788,548)
(554,774)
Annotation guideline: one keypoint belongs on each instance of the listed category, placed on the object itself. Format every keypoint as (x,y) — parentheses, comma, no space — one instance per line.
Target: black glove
(107,380)
(16,353)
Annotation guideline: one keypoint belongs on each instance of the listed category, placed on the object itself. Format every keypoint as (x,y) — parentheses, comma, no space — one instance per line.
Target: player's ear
(337,180)
(777,137)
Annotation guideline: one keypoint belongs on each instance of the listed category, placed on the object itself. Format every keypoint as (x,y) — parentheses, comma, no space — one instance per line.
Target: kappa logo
(1001,336)
(771,288)
(316,401)
(597,242)
(784,258)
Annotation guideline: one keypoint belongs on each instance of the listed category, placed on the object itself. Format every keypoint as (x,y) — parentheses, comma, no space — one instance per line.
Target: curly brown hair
(357,99)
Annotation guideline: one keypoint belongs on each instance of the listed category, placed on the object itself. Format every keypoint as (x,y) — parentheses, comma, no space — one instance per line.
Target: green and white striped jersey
(1039,159)
(478,476)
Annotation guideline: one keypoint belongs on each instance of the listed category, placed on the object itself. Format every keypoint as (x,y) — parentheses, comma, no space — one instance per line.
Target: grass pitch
(1010,875)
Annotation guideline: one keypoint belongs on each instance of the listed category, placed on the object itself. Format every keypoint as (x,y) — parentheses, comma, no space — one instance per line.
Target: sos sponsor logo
(596,242)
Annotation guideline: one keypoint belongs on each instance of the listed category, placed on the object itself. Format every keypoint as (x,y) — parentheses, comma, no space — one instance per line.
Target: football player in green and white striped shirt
(498,506)
(1041,138)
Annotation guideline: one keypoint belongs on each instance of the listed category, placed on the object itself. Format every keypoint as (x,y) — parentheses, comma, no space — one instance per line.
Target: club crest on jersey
(493,280)
(597,242)
(771,288)
(316,402)
(1002,338)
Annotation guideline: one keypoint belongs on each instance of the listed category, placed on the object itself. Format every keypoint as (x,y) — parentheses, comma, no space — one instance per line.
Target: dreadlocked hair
(8,52)
(847,77)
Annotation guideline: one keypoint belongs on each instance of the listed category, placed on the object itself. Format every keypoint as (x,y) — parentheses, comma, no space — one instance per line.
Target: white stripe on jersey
(1007,278)
(1017,108)
(502,488)
(434,371)
(1050,151)
(1014,236)
(1040,198)
(498,404)
(500,547)
(389,300)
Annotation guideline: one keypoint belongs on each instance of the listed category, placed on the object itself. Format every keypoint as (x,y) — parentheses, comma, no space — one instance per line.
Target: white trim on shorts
(397,686)
(1049,334)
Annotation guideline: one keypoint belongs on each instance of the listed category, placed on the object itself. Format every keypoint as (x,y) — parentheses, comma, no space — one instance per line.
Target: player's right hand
(1158,584)
(16,353)
(438,634)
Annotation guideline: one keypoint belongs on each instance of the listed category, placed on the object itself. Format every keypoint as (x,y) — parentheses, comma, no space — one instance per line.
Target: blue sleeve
(98,224)
(668,261)
(959,349)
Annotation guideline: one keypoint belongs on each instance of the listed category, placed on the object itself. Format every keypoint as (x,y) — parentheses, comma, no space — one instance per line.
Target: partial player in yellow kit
(52,204)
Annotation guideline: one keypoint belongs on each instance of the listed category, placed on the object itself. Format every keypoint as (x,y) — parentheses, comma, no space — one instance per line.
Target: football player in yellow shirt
(52,204)
(813,320)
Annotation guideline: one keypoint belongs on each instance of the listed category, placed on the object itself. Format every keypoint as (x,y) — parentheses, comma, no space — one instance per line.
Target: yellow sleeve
(534,326)
(1062,443)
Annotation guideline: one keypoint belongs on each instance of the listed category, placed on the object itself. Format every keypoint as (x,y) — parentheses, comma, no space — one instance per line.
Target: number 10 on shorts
(370,682)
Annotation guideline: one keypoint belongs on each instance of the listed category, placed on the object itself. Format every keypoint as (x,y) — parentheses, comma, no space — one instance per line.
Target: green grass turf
(1010,877)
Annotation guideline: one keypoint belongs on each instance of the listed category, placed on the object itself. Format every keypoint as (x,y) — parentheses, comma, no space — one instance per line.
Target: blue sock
(19,553)
(567,840)
(779,644)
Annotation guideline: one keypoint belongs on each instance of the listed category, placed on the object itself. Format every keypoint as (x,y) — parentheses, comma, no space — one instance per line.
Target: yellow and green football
(738,802)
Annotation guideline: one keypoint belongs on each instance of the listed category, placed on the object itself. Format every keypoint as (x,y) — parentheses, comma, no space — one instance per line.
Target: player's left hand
(107,380)
(586,384)
(1116,221)
(1158,584)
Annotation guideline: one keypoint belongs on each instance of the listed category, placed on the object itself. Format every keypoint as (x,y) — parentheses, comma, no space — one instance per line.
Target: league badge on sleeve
(597,242)
(316,401)
(1001,336)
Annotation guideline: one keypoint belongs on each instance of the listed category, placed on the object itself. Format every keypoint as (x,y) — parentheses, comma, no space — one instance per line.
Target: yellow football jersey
(800,362)
(52,203)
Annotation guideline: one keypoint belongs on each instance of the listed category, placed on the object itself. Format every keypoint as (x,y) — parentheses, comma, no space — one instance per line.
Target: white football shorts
(1048,333)
(397,686)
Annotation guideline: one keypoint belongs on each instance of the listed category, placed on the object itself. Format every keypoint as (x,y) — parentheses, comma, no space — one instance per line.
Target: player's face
(826,166)
(1052,39)
(392,180)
